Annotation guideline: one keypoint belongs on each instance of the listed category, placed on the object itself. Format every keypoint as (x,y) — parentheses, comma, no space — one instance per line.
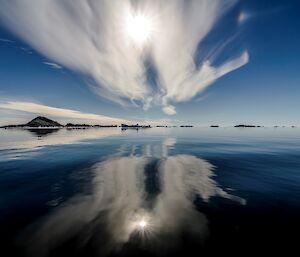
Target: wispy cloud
(53,65)
(89,37)
(170,110)
(69,115)
(40,109)
(6,40)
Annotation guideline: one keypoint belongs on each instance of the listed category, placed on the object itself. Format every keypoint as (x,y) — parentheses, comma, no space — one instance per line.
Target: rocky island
(38,122)
(45,123)
(246,126)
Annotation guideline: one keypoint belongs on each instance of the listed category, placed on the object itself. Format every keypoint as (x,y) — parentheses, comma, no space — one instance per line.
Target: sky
(205,62)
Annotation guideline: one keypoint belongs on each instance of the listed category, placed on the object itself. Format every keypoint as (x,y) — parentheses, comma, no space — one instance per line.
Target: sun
(142,224)
(139,28)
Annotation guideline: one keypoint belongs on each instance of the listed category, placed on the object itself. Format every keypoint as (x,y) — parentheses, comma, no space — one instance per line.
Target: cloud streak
(170,110)
(53,65)
(40,109)
(6,40)
(89,37)
(69,115)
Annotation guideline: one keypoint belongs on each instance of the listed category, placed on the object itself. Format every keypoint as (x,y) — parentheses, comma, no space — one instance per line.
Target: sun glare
(142,224)
(139,28)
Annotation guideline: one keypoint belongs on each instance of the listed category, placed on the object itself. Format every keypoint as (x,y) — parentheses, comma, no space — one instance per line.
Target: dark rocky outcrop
(125,126)
(245,126)
(37,123)
(42,122)
(77,125)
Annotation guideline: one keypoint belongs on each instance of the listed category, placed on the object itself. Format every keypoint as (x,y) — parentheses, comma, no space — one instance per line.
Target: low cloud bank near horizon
(66,115)
(88,37)
(40,109)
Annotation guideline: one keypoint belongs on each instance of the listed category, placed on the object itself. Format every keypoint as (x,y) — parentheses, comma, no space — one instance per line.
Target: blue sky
(264,90)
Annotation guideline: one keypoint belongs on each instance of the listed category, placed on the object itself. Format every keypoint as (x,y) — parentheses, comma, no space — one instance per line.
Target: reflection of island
(133,197)
(55,137)
(42,132)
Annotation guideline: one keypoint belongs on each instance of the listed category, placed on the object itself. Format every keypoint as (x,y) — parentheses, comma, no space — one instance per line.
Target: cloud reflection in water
(111,215)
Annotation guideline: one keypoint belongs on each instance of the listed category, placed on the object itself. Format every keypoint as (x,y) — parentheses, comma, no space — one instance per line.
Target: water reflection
(17,139)
(42,132)
(145,198)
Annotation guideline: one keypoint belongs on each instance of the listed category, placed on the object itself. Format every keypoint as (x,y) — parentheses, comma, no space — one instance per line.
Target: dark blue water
(154,192)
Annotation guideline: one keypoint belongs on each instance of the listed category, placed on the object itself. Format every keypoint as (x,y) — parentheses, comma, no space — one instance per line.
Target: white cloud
(89,37)
(170,110)
(244,17)
(40,109)
(6,40)
(117,195)
(53,65)
(66,115)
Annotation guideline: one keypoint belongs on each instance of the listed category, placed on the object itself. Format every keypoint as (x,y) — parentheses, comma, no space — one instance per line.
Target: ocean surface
(149,192)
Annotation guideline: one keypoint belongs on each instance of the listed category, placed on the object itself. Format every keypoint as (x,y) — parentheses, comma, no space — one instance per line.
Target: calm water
(155,192)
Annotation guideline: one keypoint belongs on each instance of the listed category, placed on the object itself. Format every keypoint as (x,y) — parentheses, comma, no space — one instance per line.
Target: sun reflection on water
(118,210)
